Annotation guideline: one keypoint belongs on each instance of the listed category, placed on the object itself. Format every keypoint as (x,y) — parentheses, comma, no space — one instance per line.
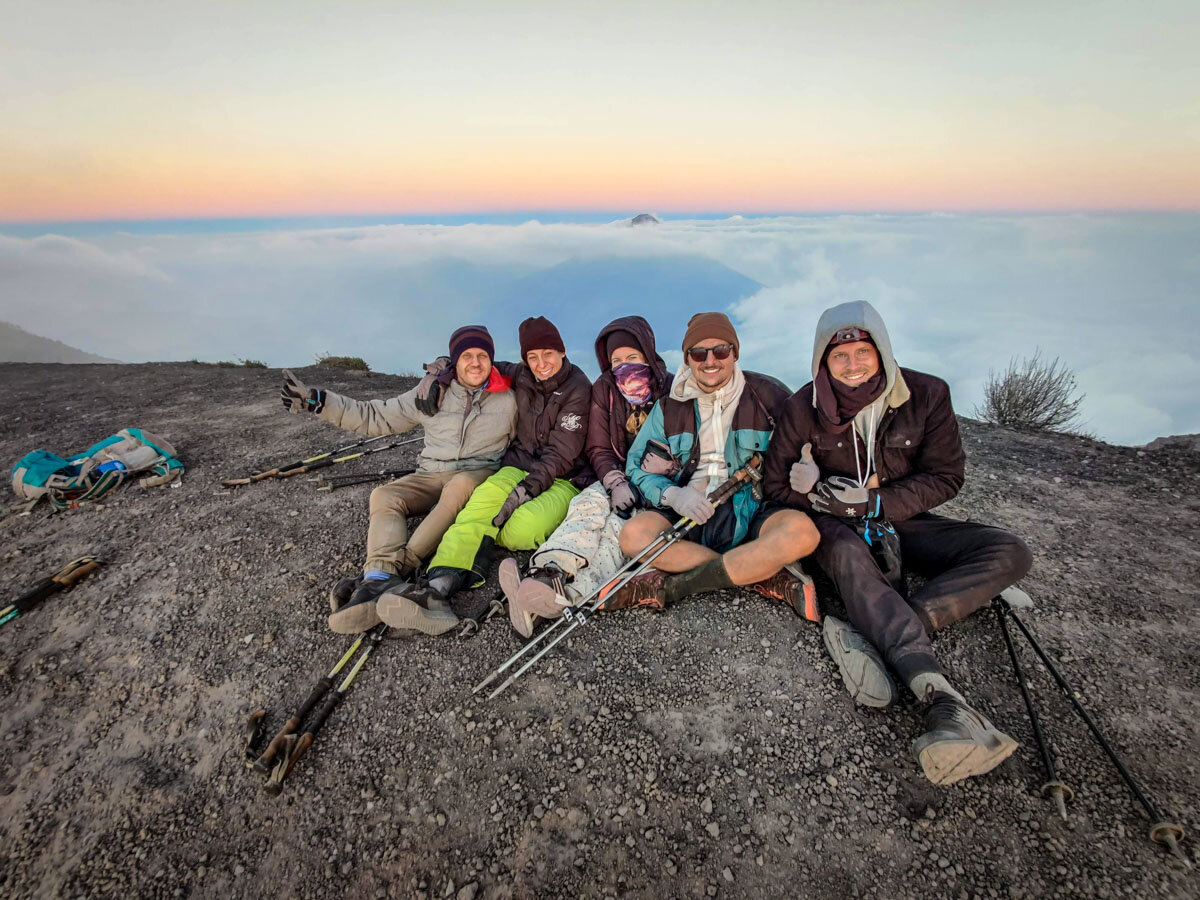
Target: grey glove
(805,473)
(518,496)
(429,390)
(622,496)
(846,498)
(298,397)
(689,502)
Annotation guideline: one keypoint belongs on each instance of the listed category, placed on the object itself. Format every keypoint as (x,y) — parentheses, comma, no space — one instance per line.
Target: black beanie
(622,338)
(539,334)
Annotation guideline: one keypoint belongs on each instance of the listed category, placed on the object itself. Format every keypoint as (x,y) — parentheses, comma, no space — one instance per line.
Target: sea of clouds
(1115,296)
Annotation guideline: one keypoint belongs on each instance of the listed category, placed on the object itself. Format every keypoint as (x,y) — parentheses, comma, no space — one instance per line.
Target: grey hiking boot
(958,741)
(359,613)
(340,593)
(417,608)
(862,668)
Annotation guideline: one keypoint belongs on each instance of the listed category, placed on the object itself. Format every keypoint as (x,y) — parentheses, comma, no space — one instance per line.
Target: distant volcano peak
(644,219)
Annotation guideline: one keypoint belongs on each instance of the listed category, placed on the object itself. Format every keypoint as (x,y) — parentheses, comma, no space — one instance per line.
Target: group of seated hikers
(533,456)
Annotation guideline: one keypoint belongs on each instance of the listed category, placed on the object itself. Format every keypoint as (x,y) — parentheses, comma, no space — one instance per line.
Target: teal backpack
(90,475)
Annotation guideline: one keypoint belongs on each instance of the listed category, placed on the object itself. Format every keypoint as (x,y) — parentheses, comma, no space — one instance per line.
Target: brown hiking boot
(793,586)
(646,590)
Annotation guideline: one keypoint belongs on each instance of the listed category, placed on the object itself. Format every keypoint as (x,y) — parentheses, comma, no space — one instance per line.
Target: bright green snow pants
(468,544)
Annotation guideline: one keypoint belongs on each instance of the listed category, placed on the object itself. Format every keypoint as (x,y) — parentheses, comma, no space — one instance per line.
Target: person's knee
(387,498)
(795,536)
(635,535)
(1015,556)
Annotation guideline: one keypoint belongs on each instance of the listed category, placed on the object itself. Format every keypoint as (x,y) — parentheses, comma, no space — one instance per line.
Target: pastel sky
(115,110)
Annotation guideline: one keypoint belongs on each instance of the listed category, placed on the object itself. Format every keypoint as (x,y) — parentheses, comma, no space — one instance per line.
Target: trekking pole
(1053,787)
(294,747)
(1161,831)
(530,645)
(272,473)
(61,580)
(579,615)
(331,461)
(261,763)
(333,482)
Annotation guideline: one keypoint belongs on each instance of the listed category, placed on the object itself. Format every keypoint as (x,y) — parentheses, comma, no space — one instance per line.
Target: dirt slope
(707,751)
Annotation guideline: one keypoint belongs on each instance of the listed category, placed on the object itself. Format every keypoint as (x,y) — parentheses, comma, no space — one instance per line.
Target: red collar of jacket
(497,383)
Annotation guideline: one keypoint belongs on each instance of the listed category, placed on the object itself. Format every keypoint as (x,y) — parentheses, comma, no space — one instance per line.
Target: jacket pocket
(658,460)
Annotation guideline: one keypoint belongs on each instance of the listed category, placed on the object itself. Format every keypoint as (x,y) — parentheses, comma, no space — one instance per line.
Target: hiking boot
(340,593)
(862,668)
(417,608)
(358,614)
(793,586)
(958,741)
(543,594)
(646,590)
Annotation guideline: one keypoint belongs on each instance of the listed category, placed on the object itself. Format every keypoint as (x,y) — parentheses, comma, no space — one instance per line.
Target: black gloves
(297,396)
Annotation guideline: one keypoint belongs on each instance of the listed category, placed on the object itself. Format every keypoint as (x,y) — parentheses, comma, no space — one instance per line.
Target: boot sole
(509,576)
(945,762)
(853,664)
(400,612)
(356,619)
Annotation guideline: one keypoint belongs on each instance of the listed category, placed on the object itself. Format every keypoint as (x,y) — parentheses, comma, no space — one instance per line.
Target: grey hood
(860,314)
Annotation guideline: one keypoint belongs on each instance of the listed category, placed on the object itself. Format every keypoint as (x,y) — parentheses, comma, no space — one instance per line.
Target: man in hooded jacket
(585,552)
(867,449)
(519,507)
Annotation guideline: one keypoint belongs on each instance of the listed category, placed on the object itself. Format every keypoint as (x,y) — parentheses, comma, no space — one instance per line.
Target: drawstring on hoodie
(870,443)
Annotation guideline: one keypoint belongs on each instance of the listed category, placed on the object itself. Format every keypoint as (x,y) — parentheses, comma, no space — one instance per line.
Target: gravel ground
(710,751)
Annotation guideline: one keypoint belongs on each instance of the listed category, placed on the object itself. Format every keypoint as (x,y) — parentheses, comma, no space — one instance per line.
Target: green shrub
(353,363)
(253,364)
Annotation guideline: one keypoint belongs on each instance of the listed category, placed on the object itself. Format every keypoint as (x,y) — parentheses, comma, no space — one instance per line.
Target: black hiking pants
(967,564)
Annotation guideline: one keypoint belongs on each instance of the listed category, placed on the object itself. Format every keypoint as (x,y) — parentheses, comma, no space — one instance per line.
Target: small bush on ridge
(1032,395)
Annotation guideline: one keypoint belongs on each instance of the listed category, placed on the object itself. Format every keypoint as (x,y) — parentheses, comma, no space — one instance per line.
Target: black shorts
(717,533)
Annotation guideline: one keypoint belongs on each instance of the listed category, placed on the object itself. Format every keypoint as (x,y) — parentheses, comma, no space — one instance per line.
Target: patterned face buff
(633,381)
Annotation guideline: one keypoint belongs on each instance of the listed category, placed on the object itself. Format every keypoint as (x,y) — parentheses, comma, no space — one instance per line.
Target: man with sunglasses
(715,418)
(867,449)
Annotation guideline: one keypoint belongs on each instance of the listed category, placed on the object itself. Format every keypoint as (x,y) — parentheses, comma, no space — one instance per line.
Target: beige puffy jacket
(470,431)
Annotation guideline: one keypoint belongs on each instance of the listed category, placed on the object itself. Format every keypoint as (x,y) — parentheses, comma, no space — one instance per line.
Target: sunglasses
(700,354)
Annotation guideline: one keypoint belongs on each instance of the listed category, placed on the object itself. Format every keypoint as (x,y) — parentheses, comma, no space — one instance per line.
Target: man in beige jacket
(464,441)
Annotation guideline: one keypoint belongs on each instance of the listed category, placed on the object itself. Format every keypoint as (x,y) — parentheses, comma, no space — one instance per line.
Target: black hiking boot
(417,608)
(958,741)
(340,593)
(359,613)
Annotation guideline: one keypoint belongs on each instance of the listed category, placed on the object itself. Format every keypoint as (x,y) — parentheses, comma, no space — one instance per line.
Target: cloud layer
(1115,296)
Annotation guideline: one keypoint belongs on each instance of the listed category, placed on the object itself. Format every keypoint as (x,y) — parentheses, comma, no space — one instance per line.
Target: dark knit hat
(539,334)
(471,337)
(622,338)
(703,326)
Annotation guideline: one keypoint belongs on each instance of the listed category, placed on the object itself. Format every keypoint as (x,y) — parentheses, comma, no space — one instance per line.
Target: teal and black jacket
(673,423)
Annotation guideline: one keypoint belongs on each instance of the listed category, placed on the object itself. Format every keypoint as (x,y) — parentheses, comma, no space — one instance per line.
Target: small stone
(467,891)
(727,874)
(713,829)
(706,806)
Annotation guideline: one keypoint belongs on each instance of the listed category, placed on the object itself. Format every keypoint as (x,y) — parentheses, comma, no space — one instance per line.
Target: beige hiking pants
(439,496)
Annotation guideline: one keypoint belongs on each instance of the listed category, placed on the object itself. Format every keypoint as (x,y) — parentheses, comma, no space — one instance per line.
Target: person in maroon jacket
(585,551)
(868,449)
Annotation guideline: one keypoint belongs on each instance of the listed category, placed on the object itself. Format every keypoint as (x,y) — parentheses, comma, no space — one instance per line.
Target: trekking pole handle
(76,571)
